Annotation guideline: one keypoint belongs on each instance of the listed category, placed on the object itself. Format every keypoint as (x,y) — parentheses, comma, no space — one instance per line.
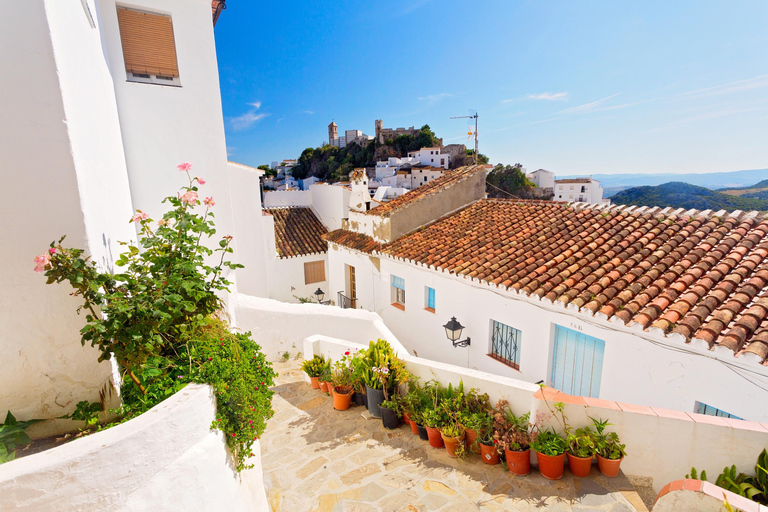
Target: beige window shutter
(148,44)
(314,272)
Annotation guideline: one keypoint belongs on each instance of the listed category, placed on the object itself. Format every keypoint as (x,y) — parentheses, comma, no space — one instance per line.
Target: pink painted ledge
(710,489)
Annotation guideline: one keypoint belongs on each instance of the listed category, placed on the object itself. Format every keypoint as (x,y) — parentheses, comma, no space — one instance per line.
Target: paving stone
(433,486)
(311,467)
(355,476)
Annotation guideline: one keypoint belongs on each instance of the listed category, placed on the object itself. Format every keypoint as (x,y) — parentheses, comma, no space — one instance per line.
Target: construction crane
(474,116)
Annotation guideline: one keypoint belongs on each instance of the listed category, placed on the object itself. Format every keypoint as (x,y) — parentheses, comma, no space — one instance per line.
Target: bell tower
(333,132)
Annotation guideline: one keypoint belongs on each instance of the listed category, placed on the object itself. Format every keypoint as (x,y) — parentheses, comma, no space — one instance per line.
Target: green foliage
(268,171)
(395,403)
(286,356)
(581,443)
(694,475)
(426,138)
(511,432)
(549,443)
(12,436)
(453,430)
(380,355)
(607,444)
(314,367)
(87,412)
(330,163)
(510,180)
(752,487)
(684,195)
(158,318)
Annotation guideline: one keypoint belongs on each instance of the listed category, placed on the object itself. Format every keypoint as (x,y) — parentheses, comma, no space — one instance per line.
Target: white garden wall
(330,203)
(281,327)
(638,368)
(166,459)
(286,278)
(285,198)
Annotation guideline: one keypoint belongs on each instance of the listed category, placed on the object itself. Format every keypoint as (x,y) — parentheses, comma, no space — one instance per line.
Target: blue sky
(573,87)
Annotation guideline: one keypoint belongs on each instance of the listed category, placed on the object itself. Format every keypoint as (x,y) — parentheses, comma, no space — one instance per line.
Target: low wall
(279,327)
(166,459)
(661,444)
(281,198)
(697,496)
(519,393)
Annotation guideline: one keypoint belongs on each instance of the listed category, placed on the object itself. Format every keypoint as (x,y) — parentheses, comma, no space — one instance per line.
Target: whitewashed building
(581,190)
(432,157)
(653,307)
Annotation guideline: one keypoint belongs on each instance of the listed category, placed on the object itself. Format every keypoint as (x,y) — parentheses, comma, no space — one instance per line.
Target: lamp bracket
(462,343)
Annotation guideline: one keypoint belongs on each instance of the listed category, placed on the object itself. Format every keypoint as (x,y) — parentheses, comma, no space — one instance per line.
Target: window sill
(431,310)
(505,362)
(401,307)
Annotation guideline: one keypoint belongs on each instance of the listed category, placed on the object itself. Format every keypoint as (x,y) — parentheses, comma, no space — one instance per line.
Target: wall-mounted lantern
(320,294)
(453,330)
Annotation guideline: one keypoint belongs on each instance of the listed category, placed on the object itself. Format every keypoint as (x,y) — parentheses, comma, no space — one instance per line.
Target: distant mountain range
(677,194)
(613,183)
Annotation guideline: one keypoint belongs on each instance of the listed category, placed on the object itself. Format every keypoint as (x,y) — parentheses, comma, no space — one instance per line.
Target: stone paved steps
(316,459)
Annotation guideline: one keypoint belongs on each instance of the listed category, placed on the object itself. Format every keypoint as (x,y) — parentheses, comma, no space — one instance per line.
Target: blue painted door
(577,363)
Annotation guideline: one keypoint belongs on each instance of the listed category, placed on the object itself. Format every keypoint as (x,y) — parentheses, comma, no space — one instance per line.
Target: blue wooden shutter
(431,298)
(398,282)
(577,363)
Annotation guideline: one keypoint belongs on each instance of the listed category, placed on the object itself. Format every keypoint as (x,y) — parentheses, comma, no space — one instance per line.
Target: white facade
(422,176)
(390,166)
(542,178)
(82,148)
(432,157)
(578,190)
(329,203)
(638,367)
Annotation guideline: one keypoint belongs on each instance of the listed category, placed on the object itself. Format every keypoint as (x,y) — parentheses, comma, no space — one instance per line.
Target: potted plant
(314,369)
(581,451)
(342,383)
(485,441)
(452,434)
(377,357)
(550,452)
(391,410)
(512,437)
(433,420)
(610,451)
(472,424)
(325,378)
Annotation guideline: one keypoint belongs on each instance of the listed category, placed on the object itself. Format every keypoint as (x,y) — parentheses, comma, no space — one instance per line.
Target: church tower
(333,133)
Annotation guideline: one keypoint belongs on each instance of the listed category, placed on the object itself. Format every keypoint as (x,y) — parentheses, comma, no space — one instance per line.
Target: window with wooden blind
(314,272)
(149,48)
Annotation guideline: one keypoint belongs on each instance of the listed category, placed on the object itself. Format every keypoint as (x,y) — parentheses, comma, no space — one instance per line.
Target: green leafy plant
(395,404)
(752,487)
(13,436)
(452,430)
(485,430)
(549,443)
(87,412)
(434,418)
(314,367)
(160,319)
(286,356)
(695,475)
(581,443)
(607,444)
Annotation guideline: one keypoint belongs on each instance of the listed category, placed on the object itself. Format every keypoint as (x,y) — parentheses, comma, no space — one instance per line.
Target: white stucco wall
(286,277)
(166,459)
(279,327)
(330,203)
(249,230)
(366,275)
(638,367)
(163,126)
(64,173)
(282,198)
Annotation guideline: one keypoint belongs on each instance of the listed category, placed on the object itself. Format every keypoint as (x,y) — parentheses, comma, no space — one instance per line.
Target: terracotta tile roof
(574,180)
(353,240)
(297,232)
(701,275)
(433,187)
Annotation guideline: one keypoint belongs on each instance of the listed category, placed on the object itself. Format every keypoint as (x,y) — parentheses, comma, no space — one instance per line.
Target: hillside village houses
(582,190)
(650,307)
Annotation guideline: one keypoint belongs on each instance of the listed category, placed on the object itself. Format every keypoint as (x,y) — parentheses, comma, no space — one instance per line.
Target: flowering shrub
(158,318)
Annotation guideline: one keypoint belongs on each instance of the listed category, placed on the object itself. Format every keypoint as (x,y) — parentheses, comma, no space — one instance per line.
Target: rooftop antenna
(473,115)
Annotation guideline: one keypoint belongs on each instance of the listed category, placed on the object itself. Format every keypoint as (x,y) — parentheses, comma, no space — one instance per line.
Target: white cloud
(588,107)
(548,96)
(749,84)
(434,98)
(246,120)
(310,112)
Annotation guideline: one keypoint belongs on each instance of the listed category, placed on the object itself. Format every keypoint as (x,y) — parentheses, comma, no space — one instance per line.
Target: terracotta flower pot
(406,418)
(609,467)
(579,466)
(342,398)
(323,386)
(451,443)
(414,427)
(488,454)
(435,438)
(315,382)
(470,440)
(329,387)
(551,467)
(518,463)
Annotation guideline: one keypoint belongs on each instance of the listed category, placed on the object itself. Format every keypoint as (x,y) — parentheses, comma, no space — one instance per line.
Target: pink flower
(209,202)
(41,262)
(52,250)
(140,215)
(186,166)
(200,181)
(163,222)
(189,197)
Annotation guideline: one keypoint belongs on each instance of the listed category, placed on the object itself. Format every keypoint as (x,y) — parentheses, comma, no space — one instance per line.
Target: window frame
(316,263)
(512,334)
(708,410)
(427,306)
(149,78)
(397,293)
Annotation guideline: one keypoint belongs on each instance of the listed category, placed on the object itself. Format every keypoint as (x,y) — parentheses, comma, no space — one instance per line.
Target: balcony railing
(346,303)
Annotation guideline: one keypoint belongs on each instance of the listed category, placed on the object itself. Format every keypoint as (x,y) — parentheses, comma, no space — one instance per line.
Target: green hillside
(684,195)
